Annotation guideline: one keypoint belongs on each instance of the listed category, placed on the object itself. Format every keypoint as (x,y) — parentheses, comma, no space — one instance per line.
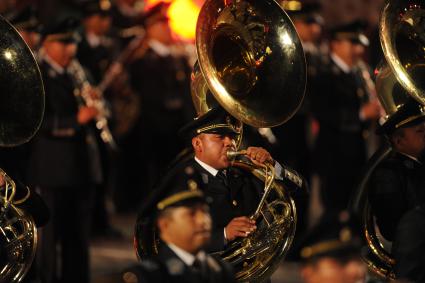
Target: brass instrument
(83,91)
(21,108)
(18,233)
(402,38)
(251,60)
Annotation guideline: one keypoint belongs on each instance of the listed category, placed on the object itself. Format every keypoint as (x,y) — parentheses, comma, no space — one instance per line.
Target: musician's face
(332,271)
(61,52)
(189,228)
(350,52)
(212,149)
(98,24)
(308,32)
(412,140)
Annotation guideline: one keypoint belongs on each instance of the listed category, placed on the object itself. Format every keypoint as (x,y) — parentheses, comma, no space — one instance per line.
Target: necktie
(223,177)
(197,270)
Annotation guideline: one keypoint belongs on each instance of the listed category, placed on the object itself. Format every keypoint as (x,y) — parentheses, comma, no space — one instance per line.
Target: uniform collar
(160,48)
(55,66)
(340,63)
(207,167)
(411,157)
(186,257)
(93,39)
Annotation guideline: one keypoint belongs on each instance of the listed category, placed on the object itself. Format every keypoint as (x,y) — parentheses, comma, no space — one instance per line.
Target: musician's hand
(94,93)
(259,155)
(86,114)
(116,69)
(371,110)
(239,227)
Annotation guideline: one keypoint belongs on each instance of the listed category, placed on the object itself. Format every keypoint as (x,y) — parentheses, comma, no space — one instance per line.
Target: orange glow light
(183,15)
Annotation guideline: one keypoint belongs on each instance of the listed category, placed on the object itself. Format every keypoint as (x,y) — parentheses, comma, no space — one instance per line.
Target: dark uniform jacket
(60,155)
(167,267)
(409,246)
(397,185)
(163,84)
(340,150)
(95,59)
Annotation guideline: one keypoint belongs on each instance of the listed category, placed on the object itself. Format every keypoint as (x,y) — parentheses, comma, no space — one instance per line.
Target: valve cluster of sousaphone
(402,34)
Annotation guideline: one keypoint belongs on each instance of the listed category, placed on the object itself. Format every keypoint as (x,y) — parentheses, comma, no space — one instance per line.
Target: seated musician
(235,193)
(397,184)
(180,212)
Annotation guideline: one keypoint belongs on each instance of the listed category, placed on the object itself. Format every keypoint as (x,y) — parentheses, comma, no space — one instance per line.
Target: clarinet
(82,91)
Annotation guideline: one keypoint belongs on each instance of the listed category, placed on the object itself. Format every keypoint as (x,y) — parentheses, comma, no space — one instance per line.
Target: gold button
(235,203)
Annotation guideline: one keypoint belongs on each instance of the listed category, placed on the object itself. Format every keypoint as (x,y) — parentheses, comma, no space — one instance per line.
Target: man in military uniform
(295,136)
(331,252)
(162,79)
(397,187)
(94,50)
(235,193)
(64,160)
(27,24)
(179,210)
(95,54)
(343,112)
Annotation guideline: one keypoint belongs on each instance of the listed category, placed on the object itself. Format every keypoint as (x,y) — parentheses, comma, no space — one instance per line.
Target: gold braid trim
(178,197)
(320,248)
(411,118)
(216,126)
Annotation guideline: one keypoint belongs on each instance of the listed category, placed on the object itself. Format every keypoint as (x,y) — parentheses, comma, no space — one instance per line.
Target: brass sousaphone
(251,60)
(21,113)
(402,35)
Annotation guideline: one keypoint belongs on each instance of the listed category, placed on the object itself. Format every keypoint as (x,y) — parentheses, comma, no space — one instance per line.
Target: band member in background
(64,160)
(95,49)
(95,53)
(397,189)
(295,137)
(162,79)
(331,253)
(28,26)
(343,114)
(180,211)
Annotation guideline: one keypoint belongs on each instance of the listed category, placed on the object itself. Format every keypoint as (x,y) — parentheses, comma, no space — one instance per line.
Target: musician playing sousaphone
(397,190)
(22,106)
(235,193)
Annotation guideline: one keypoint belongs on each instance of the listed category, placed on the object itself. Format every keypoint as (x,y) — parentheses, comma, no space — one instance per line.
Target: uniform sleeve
(387,199)
(217,242)
(409,245)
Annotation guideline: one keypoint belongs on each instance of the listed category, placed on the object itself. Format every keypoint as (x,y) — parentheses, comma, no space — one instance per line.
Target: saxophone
(82,90)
